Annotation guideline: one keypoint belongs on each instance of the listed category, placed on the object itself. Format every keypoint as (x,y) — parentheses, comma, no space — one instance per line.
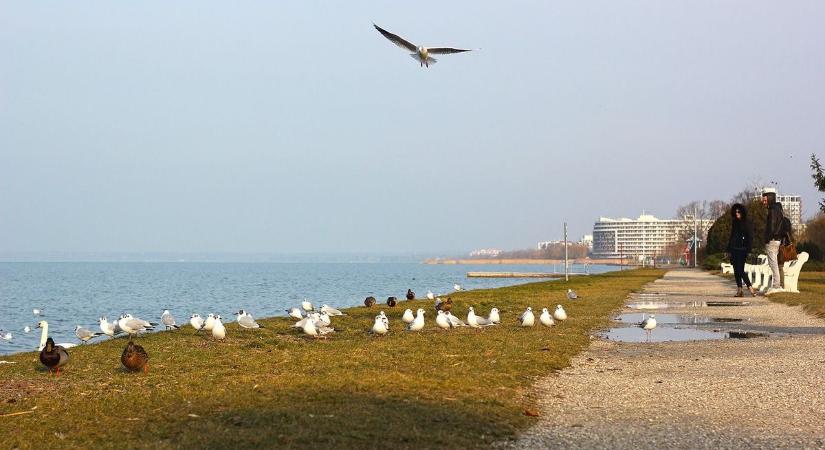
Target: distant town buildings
(640,238)
(485,253)
(587,240)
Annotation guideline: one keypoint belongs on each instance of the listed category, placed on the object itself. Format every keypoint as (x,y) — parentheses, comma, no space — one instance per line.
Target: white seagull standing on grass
(560,314)
(545,318)
(408,316)
(380,326)
(84,334)
(331,311)
(527,318)
(571,294)
(475,321)
(418,323)
(245,320)
(168,320)
(420,54)
(196,321)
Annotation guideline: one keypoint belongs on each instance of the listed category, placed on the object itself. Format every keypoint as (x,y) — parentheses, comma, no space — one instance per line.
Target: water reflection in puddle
(648,304)
(687,319)
(661,334)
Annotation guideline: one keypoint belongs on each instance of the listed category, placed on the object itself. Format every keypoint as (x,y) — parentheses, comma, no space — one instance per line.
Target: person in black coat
(739,245)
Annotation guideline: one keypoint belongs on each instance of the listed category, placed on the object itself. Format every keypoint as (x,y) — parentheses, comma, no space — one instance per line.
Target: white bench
(791,271)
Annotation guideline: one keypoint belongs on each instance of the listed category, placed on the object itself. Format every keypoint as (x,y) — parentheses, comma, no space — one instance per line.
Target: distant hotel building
(646,236)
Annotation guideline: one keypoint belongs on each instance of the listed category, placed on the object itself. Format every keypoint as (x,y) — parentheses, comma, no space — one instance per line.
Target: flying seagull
(420,54)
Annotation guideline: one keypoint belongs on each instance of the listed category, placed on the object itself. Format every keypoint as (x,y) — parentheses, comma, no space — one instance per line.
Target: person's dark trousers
(737,258)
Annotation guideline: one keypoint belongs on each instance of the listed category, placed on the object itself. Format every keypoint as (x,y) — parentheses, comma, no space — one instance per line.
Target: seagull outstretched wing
(397,40)
(446,50)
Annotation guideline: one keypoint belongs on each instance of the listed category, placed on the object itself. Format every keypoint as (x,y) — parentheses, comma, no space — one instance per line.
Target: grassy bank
(811,294)
(273,387)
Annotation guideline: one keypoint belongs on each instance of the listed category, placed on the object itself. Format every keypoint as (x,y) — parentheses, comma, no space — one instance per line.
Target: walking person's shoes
(752,291)
(774,290)
(739,293)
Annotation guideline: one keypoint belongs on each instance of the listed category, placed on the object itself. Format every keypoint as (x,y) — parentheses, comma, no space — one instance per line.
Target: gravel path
(731,393)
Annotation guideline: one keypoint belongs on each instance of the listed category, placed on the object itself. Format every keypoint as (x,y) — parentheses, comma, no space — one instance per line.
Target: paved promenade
(766,392)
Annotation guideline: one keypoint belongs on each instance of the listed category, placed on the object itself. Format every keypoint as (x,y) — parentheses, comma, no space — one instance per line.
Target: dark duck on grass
(134,358)
(410,294)
(53,356)
(369,302)
(392,301)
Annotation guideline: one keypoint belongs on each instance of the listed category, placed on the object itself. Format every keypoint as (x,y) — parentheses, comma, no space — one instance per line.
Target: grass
(274,388)
(811,294)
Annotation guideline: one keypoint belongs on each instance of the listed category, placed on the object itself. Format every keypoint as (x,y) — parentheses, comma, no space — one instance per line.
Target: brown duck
(410,294)
(53,356)
(392,301)
(135,358)
(369,302)
(447,305)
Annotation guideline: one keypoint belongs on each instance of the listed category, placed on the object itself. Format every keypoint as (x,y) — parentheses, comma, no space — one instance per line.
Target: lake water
(77,293)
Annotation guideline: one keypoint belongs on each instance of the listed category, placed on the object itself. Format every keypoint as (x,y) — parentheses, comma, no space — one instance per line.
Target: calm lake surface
(77,293)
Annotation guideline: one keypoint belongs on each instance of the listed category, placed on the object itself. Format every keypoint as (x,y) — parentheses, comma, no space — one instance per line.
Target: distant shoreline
(493,261)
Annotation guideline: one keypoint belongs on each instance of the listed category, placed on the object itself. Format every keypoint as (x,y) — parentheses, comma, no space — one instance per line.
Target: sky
(258,126)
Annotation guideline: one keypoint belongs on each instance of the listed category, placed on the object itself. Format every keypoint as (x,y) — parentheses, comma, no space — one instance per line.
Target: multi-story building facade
(644,237)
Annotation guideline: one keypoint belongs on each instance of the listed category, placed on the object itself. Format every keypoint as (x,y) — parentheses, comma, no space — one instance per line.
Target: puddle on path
(671,327)
(676,319)
(649,304)
(661,334)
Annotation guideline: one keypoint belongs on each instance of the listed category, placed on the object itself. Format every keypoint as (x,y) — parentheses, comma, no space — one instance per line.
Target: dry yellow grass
(274,388)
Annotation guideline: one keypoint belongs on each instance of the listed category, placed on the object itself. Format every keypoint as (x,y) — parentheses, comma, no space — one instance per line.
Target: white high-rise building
(644,237)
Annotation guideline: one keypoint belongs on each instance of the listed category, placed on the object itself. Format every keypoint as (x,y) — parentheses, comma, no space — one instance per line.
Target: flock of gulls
(315,323)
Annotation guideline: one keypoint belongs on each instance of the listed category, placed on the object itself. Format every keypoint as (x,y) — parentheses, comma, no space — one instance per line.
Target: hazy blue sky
(294,126)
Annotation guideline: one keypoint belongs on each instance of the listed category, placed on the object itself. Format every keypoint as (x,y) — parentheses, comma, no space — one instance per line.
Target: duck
(369,302)
(53,356)
(410,294)
(134,358)
(391,302)
(446,305)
